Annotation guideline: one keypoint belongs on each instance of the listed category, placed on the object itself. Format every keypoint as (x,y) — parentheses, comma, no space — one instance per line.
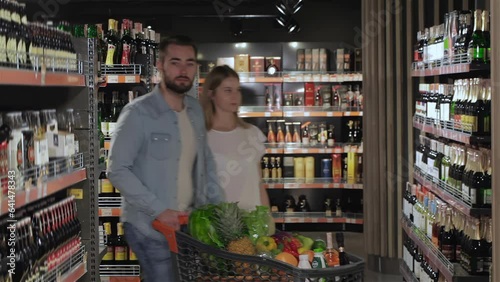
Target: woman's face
(227,97)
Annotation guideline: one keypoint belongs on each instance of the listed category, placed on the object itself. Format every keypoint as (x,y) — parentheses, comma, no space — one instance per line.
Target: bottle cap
(319,250)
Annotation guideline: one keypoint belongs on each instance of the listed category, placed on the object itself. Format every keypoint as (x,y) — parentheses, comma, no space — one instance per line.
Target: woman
(237,146)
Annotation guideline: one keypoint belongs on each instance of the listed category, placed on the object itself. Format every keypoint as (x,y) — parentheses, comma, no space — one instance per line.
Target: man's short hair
(176,40)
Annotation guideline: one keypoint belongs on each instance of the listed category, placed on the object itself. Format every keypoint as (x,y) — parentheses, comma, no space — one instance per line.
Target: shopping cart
(194,261)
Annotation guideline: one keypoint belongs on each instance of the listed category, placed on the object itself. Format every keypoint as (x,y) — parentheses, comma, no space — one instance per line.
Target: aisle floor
(355,243)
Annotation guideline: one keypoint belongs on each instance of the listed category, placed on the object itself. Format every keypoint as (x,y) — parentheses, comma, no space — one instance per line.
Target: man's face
(178,68)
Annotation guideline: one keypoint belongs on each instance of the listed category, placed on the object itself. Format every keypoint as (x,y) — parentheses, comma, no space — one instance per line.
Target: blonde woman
(237,146)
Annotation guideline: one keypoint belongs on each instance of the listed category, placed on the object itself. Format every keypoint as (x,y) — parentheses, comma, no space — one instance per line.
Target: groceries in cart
(227,227)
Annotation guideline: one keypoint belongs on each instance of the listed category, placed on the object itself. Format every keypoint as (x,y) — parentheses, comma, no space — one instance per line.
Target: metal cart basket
(194,261)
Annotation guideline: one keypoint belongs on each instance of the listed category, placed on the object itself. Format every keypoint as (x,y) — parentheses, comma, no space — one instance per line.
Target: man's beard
(179,89)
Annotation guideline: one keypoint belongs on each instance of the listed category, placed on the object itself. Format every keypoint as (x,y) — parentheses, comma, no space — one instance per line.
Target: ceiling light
(281,20)
(297,6)
(293,26)
(281,6)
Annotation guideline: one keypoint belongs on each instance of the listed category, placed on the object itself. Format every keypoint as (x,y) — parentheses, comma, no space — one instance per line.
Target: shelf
(449,194)
(120,279)
(450,130)
(102,251)
(313,183)
(433,255)
(10,76)
(43,190)
(110,206)
(407,273)
(296,111)
(120,270)
(316,217)
(460,64)
(121,79)
(293,148)
(450,271)
(70,270)
(295,76)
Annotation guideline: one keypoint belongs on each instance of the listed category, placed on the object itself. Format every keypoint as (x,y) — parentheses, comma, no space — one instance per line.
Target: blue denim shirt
(144,160)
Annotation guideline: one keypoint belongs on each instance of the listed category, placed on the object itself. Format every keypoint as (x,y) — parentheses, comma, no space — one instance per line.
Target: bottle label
(447,251)
(487,193)
(106,185)
(109,256)
(125,54)
(110,55)
(473,196)
(131,255)
(487,124)
(445,171)
(120,253)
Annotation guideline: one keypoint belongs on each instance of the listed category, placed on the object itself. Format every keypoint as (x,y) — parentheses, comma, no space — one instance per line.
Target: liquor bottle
(487,241)
(279,170)
(461,167)
(328,206)
(296,132)
(132,257)
(417,55)
(289,205)
(485,192)
(121,247)
(317,98)
(475,263)
(265,168)
(336,99)
(280,136)
(445,164)
(486,35)
(480,110)
(477,42)
(272,165)
(288,134)
(330,256)
(343,258)
(487,110)
(112,43)
(431,159)
(426,46)
(109,257)
(448,240)
(351,137)
(338,209)
(305,135)
(128,44)
(271,137)
(105,187)
(477,180)
(303,205)
(331,135)
(464,177)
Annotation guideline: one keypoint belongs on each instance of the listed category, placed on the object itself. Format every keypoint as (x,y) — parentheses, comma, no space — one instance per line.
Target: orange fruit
(287,258)
(311,255)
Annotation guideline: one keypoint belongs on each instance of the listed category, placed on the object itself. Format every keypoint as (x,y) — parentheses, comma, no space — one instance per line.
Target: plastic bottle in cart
(304,264)
(319,262)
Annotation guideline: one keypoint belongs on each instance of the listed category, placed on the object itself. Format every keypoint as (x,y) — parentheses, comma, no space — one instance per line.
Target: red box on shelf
(257,64)
(309,94)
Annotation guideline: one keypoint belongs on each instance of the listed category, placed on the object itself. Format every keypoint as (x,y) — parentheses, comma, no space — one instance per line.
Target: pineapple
(231,229)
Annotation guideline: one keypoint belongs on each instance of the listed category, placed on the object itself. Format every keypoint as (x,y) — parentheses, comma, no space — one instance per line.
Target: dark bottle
(486,36)
(303,205)
(128,44)
(109,241)
(112,43)
(476,184)
(448,240)
(343,258)
(121,247)
(474,250)
(487,242)
(328,206)
(289,204)
(485,193)
(477,44)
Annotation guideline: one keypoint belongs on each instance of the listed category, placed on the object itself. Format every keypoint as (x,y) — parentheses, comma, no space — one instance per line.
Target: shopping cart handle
(169,233)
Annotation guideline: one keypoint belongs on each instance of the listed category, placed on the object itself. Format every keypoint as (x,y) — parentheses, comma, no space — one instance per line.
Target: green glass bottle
(486,35)
(477,43)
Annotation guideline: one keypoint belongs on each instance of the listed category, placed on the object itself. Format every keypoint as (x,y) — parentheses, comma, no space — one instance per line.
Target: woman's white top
(238,155)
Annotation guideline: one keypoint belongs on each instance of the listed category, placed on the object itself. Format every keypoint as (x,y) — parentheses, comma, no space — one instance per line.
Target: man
(159,159)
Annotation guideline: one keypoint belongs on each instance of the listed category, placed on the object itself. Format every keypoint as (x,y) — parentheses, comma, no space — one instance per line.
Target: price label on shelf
(44,189)
(307,114)
(76,192)
(251,79)
(130,79)
(267,114)
(106,212)
(112,79)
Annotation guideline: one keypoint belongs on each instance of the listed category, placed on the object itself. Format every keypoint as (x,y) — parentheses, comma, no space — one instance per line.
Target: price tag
(322,151)
(326,186)
(267,114)
(329,114)
(307,114)
(304,151)
(112,79)
(325,78)
(106,212)
(44,189)
(130,79)
(27,195)
(336,185)
(251,79)
(347,114)
(316,78)
(105,279)
(77,193)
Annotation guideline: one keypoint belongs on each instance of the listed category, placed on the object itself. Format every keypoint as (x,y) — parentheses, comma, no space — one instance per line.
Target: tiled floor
(355,244)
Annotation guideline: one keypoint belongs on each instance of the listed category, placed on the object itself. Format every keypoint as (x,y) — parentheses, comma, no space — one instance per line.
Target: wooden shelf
(31,78)
(314,183)
(114,212)
(75,274)
(291,149)
(295,76)
(25,197)
(313,217)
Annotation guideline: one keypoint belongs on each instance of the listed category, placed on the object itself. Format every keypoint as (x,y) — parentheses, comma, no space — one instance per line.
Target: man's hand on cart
(172,218)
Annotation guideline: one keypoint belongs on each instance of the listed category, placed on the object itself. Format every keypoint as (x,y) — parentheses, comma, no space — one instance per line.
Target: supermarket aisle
(355,244)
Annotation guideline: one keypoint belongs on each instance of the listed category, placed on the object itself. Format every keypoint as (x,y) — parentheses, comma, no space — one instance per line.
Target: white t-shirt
(237,154)
(186,161)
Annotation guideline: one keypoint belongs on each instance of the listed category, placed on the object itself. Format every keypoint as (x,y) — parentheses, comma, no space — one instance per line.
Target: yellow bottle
(298,164)
(309,168)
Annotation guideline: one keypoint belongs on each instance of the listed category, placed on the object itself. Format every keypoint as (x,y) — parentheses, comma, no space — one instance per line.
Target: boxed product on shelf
(358,60)
(308,60)
(229,61)
(257,64)
(273,62)
(309,94)
(61,144)
(242,63)
(301,59)
(315,59)
(323,60)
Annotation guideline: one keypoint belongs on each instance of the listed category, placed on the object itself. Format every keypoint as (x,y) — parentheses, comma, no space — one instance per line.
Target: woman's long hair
(212,81)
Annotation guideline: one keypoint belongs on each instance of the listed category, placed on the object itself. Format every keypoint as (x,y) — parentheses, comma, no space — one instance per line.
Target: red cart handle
(169,232)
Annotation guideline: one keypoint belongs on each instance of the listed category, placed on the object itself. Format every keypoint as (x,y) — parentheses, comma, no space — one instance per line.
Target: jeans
(153,255)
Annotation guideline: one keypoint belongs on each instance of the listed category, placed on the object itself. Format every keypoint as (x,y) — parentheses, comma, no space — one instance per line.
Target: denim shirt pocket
(161,146)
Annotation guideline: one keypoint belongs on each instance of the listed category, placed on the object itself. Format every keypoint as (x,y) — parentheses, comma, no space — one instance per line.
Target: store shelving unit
(291,81)
(443,71)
